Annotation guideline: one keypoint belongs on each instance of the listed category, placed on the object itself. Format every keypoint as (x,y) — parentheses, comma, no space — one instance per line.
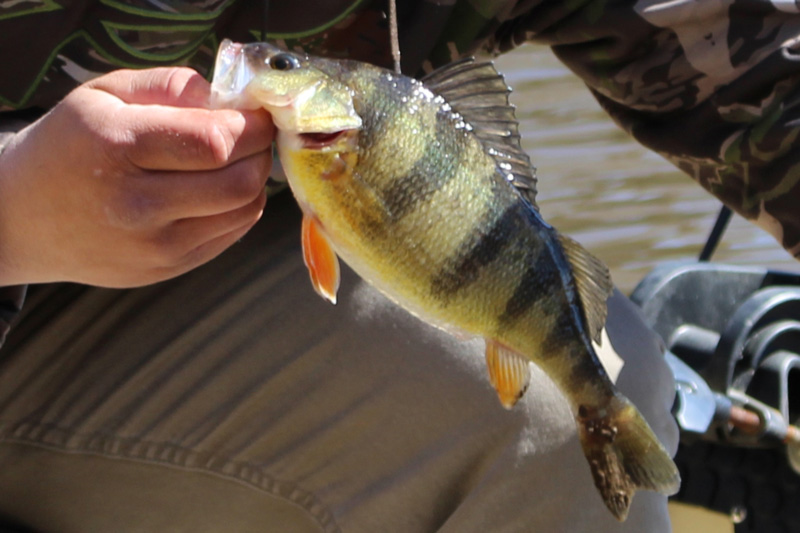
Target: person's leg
(234,399)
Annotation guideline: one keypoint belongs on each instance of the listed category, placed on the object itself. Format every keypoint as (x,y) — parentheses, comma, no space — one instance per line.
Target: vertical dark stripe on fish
(465,268)
(430,173)
(562,333)
(538,281)
(584,369)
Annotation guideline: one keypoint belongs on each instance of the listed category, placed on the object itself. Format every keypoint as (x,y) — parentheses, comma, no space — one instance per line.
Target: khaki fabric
(90,492)
(234,399)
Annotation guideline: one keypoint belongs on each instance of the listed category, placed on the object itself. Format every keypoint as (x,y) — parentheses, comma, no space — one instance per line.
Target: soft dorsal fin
(593,282)
(476,91)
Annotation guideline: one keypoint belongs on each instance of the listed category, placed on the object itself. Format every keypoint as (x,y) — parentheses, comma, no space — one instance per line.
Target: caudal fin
(624,455)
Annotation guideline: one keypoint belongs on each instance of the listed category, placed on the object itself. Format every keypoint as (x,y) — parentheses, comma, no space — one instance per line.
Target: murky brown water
(623,202)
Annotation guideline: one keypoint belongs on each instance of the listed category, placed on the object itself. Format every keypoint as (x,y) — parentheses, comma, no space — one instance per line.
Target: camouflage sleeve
(712,85)
(11,298)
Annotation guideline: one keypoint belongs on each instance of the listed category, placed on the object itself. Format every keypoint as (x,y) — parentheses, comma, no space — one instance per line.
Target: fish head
(301,97)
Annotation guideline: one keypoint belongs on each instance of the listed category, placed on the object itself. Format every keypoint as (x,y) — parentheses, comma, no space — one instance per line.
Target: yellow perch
(421,186)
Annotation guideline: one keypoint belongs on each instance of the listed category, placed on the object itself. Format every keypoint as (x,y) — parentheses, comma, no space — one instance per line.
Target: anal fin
(320,259)
(509,373)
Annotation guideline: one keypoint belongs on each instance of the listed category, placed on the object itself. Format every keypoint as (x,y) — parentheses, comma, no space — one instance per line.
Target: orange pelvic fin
(509,373)
(321,260)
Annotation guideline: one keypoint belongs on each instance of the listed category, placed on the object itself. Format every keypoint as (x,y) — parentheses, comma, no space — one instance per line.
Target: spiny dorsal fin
(593,282)
(476,91)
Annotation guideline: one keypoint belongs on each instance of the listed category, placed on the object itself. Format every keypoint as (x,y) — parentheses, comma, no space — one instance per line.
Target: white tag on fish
(609,358)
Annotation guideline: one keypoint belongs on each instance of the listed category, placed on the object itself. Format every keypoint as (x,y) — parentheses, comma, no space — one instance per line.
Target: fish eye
(283,62)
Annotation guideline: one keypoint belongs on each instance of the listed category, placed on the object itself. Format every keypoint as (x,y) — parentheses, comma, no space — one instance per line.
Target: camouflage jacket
(709,84)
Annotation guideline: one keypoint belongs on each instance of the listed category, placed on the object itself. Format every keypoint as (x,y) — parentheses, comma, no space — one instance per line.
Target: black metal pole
(715,236)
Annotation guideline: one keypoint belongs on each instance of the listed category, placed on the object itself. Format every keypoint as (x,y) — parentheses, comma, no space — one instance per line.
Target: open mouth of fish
(321,140)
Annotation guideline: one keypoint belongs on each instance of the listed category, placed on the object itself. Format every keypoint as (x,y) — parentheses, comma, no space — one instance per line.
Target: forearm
(710,86)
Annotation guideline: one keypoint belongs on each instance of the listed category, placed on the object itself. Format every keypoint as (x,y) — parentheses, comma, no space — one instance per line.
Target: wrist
(10,273)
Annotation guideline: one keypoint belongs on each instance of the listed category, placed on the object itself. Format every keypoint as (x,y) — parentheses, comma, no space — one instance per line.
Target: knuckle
(216,146)
(116,77)
(164,250)
(177,79)
(114,142)
(248,215)
(132,209)
(261,201)
(98,132)
(194,256)
(246,181)
(120,148)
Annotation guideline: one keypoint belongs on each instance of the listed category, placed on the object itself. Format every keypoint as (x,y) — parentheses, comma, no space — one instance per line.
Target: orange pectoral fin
(509,373)
(321,260)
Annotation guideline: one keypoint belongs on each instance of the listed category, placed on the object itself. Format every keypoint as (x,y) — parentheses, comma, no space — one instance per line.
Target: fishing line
(264,14)
(393,33)
(395,40)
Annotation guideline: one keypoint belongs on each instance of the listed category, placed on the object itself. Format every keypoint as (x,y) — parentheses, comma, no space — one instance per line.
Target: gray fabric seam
(53,437)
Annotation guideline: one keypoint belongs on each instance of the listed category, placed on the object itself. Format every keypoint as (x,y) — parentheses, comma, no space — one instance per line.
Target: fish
(421,186)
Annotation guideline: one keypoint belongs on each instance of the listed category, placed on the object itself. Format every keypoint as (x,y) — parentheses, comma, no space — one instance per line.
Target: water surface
(626,204)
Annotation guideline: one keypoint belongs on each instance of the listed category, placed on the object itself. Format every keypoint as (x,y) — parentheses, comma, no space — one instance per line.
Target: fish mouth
(318,140)
(232,73)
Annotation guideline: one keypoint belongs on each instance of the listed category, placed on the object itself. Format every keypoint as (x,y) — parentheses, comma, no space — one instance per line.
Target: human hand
(130,180)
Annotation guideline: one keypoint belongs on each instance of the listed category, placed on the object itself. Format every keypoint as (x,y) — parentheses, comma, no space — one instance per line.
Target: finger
(170,86)
(212,235)
(195,232)
(168,138)
(208,251)
(155,198)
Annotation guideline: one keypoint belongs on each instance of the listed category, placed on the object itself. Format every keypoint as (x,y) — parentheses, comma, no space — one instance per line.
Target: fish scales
(480,249)
(431,172)
(516,299)
(473,214)
(436,205)
(423,189)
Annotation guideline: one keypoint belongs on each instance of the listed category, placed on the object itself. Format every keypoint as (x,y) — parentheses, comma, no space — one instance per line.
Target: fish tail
(624,454)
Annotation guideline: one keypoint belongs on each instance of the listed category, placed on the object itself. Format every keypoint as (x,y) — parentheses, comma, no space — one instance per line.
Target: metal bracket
(734,335)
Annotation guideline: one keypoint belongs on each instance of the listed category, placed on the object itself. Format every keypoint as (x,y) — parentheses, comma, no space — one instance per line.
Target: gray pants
(234,399)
